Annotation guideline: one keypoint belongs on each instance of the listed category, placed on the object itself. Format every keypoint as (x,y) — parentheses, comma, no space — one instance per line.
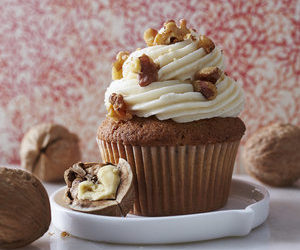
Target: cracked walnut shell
(24,208)
(120,206)
(47,150)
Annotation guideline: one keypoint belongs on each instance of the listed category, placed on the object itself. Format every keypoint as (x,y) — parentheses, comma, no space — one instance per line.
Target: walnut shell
(124,201)
(47,150)
(24,208)
(272,154)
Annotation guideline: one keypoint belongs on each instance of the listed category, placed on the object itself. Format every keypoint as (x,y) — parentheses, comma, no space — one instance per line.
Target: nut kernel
(207,89)
(149,71)
(149,36)
(118,109)
(172,33)
(206,43)
(209,74)
(117,72)
(135,66)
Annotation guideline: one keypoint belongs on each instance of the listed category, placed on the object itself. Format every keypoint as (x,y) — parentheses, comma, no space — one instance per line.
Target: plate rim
(261,189)
(193,227)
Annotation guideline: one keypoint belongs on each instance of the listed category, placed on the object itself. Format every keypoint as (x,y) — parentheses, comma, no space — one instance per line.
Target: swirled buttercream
(172,95)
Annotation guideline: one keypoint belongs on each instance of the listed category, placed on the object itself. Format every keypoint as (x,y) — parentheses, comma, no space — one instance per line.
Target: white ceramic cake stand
(247,208)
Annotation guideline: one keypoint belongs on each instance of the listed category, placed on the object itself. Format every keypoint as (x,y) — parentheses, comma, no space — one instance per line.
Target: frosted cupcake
(172,114)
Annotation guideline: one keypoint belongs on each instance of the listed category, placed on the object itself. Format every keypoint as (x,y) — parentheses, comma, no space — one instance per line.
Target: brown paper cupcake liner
(173,180)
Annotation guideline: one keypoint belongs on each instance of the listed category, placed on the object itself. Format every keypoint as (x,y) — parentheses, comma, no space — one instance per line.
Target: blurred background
(56,56)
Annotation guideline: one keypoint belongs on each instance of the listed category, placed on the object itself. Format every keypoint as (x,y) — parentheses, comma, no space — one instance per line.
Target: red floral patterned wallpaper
(56,55)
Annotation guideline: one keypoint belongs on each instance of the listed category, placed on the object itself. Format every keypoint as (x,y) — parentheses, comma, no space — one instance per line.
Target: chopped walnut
(209,74)
(206,43)
(207,89)
(149,36)
(135,65)
(117,72)
(171,34)
(118,109)
(190,36)
(148,71)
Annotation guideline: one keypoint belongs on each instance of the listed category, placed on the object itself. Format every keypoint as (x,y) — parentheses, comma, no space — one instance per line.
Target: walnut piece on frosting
(149,36)
(207,89)
(206,43)
(210,74)
(117,72)
(148,71)
(118,108)
(171,34)
(205,80)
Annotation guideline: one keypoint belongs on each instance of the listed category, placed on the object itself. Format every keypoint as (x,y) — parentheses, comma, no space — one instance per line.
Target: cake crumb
(64,234)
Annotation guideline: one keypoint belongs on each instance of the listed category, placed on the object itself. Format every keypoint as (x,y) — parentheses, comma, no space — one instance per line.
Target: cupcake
(173,115)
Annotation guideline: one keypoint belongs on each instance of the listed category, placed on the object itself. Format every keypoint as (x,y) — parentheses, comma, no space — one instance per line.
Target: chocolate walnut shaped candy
(100,188)
(47,150)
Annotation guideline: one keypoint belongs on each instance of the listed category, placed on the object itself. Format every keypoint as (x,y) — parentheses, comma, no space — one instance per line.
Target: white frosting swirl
(172,96)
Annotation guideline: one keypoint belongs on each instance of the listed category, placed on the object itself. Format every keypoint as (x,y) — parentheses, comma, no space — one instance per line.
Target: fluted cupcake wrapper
(171,180)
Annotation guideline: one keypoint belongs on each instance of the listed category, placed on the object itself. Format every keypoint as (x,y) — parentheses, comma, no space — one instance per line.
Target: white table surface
(280,231)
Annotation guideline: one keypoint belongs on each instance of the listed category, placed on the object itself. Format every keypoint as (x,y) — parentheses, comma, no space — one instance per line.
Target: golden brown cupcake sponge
(272,154)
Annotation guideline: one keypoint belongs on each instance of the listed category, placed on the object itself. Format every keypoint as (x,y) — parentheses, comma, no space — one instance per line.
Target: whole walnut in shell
(272,154)
(47,150)
(24,208)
